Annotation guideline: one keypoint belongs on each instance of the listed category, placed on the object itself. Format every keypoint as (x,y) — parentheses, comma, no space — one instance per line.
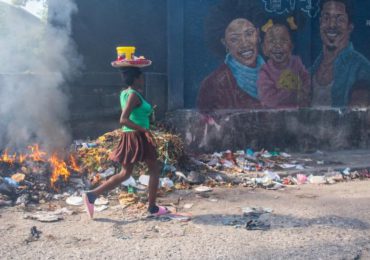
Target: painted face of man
(335,28)
(278,45)
(241,39)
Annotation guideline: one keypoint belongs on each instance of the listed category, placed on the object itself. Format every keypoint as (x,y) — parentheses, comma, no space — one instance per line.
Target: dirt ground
(307,222)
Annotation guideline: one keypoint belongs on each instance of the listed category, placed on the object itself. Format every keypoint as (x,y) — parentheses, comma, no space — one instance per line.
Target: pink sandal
(89,206)
(161,211)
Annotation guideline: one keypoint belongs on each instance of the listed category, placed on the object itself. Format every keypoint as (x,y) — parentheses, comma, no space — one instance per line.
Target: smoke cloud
(37,60)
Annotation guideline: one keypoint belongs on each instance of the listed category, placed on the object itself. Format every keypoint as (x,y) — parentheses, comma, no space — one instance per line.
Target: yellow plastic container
(127,51)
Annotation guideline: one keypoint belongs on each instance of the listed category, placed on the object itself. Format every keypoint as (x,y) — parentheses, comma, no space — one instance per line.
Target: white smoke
(37,60)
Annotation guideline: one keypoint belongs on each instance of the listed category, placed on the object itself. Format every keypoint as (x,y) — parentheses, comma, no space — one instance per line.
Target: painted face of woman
(241,39)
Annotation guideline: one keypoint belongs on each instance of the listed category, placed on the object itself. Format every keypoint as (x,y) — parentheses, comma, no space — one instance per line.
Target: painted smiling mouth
(278,54)
(247,54)
(332,34)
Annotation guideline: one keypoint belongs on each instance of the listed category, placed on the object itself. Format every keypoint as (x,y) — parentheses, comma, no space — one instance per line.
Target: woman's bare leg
(115,180)
(154,171)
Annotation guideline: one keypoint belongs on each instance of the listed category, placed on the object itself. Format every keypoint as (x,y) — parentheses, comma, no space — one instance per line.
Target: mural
(340,70)
(264,61)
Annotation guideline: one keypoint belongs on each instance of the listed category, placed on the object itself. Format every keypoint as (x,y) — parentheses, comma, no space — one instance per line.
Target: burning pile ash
(36,176)
(33,176)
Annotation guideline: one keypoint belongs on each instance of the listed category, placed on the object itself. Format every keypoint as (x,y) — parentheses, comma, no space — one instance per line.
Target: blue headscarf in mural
(246,77)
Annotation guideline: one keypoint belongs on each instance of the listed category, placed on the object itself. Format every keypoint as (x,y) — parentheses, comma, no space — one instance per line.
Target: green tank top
(139,115)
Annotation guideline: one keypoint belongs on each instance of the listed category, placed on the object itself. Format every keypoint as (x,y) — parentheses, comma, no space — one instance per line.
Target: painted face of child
(277,45)
(241,39)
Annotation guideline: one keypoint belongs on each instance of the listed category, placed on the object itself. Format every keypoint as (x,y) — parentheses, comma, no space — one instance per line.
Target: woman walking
(136,143)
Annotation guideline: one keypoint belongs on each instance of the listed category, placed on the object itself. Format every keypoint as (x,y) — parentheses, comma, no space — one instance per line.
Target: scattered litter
(188,206)
(195,178)
(285,155)
(299,167)
(272,175)
(346,171)
(166,183)
(23,199)
(307,196)
(144,180)
(101,201)
(47,216)
(182,217)
(251,219)
(44,217)
(100,208)
(34,235)
(107,173)
(126,199)
(202,189)
(74,201)
(316,179)
(130,182)
(287,166)
(301,178)
(18,177)
(257,225)
(4,203)
(180,175)
(12,183)
(255,211)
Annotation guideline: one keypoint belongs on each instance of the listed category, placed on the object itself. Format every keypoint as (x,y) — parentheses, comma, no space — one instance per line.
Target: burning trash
(33,176)
(36,176)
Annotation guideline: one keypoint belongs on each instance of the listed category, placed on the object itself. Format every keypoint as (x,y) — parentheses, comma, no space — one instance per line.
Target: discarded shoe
(257,225)
(161,211)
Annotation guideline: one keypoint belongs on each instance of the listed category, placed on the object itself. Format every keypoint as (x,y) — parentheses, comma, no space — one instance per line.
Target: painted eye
(341,19)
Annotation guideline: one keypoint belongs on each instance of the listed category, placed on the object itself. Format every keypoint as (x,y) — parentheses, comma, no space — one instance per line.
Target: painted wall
(294,75)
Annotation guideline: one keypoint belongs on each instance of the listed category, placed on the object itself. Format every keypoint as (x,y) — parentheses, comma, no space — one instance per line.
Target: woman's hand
(152,115)
(150,138)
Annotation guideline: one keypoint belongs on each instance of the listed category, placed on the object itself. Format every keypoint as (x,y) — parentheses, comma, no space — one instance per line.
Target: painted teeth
(247,53)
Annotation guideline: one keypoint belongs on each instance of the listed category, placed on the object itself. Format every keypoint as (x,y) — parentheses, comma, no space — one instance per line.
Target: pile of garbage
(93,156)
(270,170)
(37,178)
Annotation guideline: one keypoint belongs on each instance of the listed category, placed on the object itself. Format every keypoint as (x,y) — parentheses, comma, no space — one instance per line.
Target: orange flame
(59,169)
(74,164)
(59,166)
(7,158)
(22,158)
(36,154)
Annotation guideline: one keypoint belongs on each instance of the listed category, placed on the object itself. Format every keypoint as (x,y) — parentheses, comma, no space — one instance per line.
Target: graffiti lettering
(310,7)
(279,6)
